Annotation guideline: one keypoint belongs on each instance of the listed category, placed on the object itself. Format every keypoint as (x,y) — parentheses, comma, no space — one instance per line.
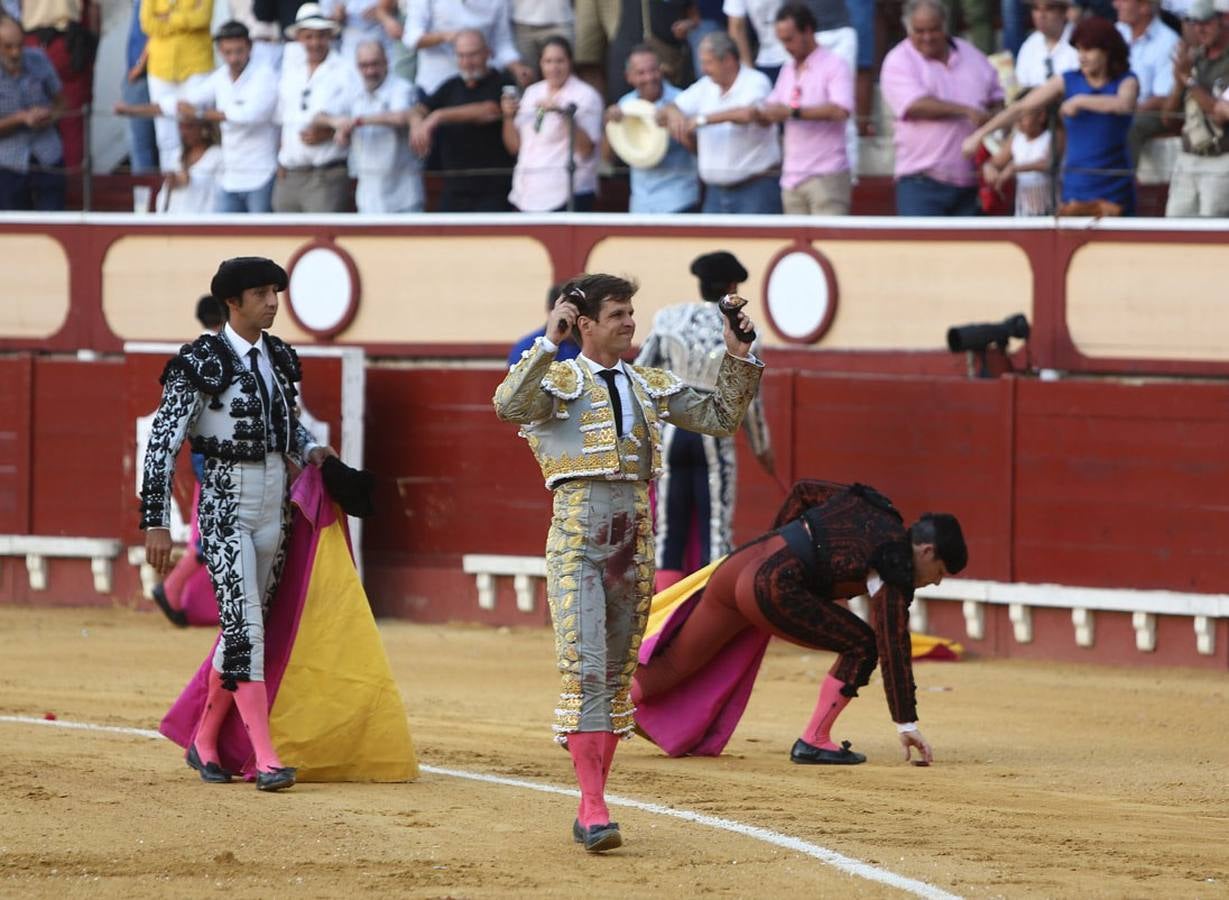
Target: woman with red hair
(1098,102)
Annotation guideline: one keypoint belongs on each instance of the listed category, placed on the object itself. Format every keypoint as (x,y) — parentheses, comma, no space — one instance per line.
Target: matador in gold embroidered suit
(594,424)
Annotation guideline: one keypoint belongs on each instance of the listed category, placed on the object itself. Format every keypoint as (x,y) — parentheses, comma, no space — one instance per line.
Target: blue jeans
(919,195)
(1017,23)
(38,189)
(862,17)
(142,146)
(257,200)
(759,195)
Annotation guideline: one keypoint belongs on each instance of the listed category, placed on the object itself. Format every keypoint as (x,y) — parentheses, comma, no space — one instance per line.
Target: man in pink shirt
(814,97)
(940,89)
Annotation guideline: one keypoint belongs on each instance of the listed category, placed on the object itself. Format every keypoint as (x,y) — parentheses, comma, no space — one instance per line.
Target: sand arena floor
(1050,781)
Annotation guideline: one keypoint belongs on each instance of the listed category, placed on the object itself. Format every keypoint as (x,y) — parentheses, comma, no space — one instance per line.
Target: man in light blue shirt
(1152,45)
(672,185)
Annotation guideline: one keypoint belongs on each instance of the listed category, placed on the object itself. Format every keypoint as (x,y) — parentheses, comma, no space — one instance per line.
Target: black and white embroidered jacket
(211,398)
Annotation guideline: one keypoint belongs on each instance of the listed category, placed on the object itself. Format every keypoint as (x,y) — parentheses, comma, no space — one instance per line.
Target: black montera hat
(234,276)
(349,487)
(720,268)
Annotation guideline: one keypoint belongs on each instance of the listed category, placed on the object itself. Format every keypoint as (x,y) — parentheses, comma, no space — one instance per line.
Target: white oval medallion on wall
(324,289)
(800,294)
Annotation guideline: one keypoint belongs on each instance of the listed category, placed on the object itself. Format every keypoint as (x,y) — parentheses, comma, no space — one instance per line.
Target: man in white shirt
(377,130)
(241,95)
(1152,44)
(1047,51)
(739,160)
(312,174)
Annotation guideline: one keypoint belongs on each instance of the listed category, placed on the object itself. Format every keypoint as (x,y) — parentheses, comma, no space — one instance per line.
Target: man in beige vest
(594,424)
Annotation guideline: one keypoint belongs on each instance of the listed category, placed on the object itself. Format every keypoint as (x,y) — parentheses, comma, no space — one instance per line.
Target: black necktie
(608,376)
(253,357)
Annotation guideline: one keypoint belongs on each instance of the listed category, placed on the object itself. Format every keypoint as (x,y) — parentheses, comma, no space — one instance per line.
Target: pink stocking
(253,702)
(588,752)
(175,580)
(608,751)
(831,703)
(217,705)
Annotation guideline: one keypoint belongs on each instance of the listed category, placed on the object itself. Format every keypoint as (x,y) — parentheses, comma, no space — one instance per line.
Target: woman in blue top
(1098,102)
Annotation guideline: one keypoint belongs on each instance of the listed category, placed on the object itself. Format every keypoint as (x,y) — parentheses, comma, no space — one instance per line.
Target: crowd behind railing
(729,106)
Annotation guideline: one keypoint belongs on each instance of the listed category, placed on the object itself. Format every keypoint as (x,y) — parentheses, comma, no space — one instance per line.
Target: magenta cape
(698,716)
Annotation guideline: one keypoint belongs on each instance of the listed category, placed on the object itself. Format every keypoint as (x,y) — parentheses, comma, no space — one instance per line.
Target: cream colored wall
(904,295)
(150,284)
(1158,301)
(35,287)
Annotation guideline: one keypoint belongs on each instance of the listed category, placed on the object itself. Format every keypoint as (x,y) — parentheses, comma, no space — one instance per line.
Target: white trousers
(166,127)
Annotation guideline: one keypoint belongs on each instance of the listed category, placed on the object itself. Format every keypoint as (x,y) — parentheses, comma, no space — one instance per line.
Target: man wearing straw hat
(663,172)
(311,174)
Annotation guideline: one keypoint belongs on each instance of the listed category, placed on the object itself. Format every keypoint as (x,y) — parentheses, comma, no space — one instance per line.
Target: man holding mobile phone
(594,424)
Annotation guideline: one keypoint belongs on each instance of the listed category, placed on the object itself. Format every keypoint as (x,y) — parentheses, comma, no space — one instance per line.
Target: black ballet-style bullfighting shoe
(210,771)
(275,779)
(176,616)
(597,838)
(809,755)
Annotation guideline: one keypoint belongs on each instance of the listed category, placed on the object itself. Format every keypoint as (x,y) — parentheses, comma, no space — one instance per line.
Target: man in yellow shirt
(180,55)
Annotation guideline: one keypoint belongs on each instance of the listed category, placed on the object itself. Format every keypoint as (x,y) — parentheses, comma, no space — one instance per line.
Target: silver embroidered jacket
(210,397)
(688,339)
(567,418)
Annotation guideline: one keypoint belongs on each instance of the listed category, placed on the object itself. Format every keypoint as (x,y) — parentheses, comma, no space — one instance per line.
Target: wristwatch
(795,112)
(701,120)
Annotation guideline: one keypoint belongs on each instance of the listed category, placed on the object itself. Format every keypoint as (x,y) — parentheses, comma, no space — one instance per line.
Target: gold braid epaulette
(658,382)
(563,380)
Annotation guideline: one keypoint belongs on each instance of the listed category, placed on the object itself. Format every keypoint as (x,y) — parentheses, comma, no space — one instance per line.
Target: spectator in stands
(376,129)
(266,37)
(597,24)
(568,348)
(1025,159)
(1047,51)
(1152,44)
(536,130)
(180,56)
(1098,100)
(67,31)
(1199,185)
(195,187)
(814,98)
(833,27)
(939,88)
(462,120)
(533,21)
(431,27)
(142,143)
(670,186)
(738,156)
(312,174)
(364,20)
(240,96)
(31,101)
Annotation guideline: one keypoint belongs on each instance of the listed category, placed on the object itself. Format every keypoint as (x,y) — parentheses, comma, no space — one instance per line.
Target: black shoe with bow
(809,755)
(597,838)
(275,779)
(210,771)
(176,616)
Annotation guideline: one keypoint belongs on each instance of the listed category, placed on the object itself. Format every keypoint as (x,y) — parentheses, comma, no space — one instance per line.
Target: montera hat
(637,138)
(351,488)
(311,17)
(236,275)
(718,268)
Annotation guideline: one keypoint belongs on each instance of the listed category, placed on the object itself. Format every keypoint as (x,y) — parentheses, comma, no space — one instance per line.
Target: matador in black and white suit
(234,399)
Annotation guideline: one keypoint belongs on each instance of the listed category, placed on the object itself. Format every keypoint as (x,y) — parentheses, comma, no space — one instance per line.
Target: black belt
(799,541)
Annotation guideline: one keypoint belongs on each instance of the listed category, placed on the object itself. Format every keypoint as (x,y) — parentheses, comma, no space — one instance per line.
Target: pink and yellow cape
(334,709)
(698,716)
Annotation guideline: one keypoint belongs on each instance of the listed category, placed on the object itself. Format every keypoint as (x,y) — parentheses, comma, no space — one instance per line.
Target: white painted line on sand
(838,861)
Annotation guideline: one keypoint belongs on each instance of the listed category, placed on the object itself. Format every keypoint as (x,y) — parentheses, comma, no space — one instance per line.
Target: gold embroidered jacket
(566,416)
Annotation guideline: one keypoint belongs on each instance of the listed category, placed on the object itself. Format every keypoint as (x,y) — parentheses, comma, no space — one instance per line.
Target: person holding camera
(829,542)
(594,424)
(1199,185)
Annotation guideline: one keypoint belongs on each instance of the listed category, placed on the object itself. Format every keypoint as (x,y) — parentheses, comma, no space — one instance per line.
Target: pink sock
(608,751)
(831,703)
(253,702)
(217,704)
(666,577)
(175,580)
(587,750)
